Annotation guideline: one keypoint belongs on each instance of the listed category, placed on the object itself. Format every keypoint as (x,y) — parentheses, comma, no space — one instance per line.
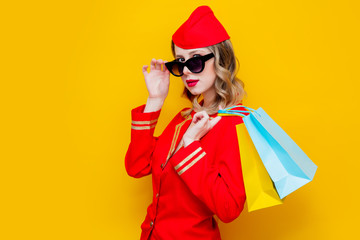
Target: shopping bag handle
(230,112)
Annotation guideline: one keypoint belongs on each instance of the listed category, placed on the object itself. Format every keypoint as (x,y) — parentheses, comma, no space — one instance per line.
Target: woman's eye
(180,60)
(197,55)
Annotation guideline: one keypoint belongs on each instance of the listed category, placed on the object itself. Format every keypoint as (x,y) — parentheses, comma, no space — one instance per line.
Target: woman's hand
(157,80)
(200,125)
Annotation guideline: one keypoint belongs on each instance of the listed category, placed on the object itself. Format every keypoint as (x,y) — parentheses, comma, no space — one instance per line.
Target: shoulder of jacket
(230,121)
(235,119)
(185,112)
(179,117)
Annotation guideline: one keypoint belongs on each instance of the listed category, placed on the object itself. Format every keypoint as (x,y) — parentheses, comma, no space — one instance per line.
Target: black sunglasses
(195,65)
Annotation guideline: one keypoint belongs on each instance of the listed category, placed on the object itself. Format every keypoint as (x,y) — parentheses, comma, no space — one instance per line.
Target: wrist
(187,141)
(153,104)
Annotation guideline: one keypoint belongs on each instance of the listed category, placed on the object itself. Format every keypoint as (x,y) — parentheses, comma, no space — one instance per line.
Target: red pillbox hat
(202,29)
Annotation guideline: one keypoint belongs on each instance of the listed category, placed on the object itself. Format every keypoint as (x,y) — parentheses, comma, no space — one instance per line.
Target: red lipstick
(191,82)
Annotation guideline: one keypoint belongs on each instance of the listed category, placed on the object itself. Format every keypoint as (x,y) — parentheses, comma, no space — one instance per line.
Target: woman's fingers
(204,119)
(201,125)
(165,68)
(214,121)
(196,118)
(144,69)
(201,113)
(158,64)
(201,117)
(152,64)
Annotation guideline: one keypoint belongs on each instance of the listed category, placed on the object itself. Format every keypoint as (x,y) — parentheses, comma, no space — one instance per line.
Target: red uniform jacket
(190,186)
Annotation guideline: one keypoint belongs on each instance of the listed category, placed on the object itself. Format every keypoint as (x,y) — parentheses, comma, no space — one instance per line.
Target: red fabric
(198,181)
(202,29)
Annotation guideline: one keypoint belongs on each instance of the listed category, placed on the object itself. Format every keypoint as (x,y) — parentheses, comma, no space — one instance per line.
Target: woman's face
(198,83)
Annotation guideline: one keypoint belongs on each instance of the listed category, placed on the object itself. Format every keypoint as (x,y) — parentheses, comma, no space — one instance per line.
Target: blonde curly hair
(229,88)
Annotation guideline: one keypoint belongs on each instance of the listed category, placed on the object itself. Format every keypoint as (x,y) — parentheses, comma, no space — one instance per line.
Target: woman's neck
(208,100)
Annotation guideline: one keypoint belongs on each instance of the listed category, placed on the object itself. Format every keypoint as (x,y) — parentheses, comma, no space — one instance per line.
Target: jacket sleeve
(142,144)
(220,186)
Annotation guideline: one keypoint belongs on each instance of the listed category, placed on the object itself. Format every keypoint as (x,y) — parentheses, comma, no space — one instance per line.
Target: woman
(195,163)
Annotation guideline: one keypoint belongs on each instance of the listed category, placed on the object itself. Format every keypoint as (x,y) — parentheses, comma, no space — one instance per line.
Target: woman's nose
(186,71)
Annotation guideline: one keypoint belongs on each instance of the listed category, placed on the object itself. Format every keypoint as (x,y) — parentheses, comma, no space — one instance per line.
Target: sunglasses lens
(177,69)
(195,65)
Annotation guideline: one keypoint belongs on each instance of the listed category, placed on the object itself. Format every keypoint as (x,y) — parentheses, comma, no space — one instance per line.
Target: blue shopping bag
(287,165)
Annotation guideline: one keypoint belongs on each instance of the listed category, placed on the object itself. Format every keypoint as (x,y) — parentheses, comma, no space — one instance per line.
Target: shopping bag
(288,166)
(259,188)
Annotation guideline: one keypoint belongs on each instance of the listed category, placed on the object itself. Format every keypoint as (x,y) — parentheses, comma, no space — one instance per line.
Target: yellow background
(71,73)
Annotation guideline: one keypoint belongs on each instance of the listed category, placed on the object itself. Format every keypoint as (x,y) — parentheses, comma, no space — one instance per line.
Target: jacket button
(162,165)
(157,195)
(151,223)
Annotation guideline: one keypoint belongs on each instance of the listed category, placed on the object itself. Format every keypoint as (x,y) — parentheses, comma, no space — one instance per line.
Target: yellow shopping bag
(259,188)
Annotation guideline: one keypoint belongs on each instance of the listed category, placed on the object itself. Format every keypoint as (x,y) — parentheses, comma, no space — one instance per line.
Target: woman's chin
(194,92)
